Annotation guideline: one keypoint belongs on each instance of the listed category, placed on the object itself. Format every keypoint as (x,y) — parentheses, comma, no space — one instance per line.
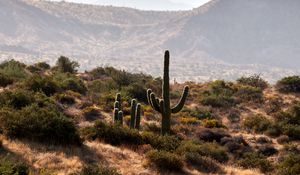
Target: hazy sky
(148,4)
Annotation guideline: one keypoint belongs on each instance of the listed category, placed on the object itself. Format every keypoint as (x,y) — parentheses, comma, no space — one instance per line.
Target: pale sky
(147,4)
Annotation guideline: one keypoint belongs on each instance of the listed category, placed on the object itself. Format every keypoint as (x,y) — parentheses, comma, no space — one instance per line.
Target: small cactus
(135,113)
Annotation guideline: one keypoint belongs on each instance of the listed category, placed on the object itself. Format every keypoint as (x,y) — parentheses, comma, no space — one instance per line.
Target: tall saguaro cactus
(163,105)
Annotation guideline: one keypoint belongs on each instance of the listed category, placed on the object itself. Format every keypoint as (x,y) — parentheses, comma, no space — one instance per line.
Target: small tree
(64,64)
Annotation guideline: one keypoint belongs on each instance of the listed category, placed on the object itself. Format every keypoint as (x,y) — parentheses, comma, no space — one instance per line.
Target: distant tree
(65,65)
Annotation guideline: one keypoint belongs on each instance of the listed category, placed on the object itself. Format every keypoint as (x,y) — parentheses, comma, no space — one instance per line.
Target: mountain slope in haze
(221,39)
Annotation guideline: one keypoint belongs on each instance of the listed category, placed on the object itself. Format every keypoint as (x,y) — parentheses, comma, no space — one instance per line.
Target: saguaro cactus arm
(133,113)
(120,117)
(154,102)
(138,116)
(182,100)
(116,115)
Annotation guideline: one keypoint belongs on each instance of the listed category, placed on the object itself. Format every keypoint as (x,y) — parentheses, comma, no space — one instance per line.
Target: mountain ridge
(217,32)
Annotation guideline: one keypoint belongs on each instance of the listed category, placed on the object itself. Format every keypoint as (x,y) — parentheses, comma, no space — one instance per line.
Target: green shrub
(289,84)
(254,81)
(203,164)
(211,150)
(65,65)
(13,70)
(290,165)
(212,123)
(39,124)
(211,135)
(65,99)
(249,94)
(41,84)
(159,142)
(74,84)
(254,160)
(165,160)
(10,168)
(95,170)
(5,80)
(16,99)
(116,134)
(218,101)
(257,123)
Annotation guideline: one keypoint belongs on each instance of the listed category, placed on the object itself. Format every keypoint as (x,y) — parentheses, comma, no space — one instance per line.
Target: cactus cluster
(135,113)
(163,105)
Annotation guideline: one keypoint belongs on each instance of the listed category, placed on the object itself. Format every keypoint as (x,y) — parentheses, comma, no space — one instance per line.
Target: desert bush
(5,80)
(91,112)
(211,150)
(283,139)
(212,123)
(249,94)
(16,99)
(254,160)
(44,84)
(74,84)
(165,160)
(254,81)
(235,144)
(203,164)
(289,84)
(257,123)
(65,65)
(218,101)
(116,134)
(96,170)
(234,116)
(273,105)
(65,99)
(263,140)
(290,165)
(14,70)
(13,168)
(39,124)
(189,121)
(152,127)
(267,150)
(159,142)
(137,91)
(210,135)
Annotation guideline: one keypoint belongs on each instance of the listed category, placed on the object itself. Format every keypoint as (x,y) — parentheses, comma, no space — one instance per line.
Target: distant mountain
(221,39)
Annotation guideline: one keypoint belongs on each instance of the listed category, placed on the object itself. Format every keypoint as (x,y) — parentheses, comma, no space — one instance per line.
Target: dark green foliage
(254,160)
(116,134)
(65,99)
(13,70)
(211,150)
(5,80)
(95,170)
(65,65)
(290,165)
(16,99)
(211,135)
(203,164)
(165,160)
(13,168)
(163,105)
(166,143)
(40,124)
(137,91)
(74,84)
(249,93)
(254,81)
(43,84)
(289,84)
(218,101)
(257,123)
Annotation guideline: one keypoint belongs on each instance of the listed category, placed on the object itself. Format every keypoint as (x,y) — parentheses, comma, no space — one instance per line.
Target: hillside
(223,39)
(54,120)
